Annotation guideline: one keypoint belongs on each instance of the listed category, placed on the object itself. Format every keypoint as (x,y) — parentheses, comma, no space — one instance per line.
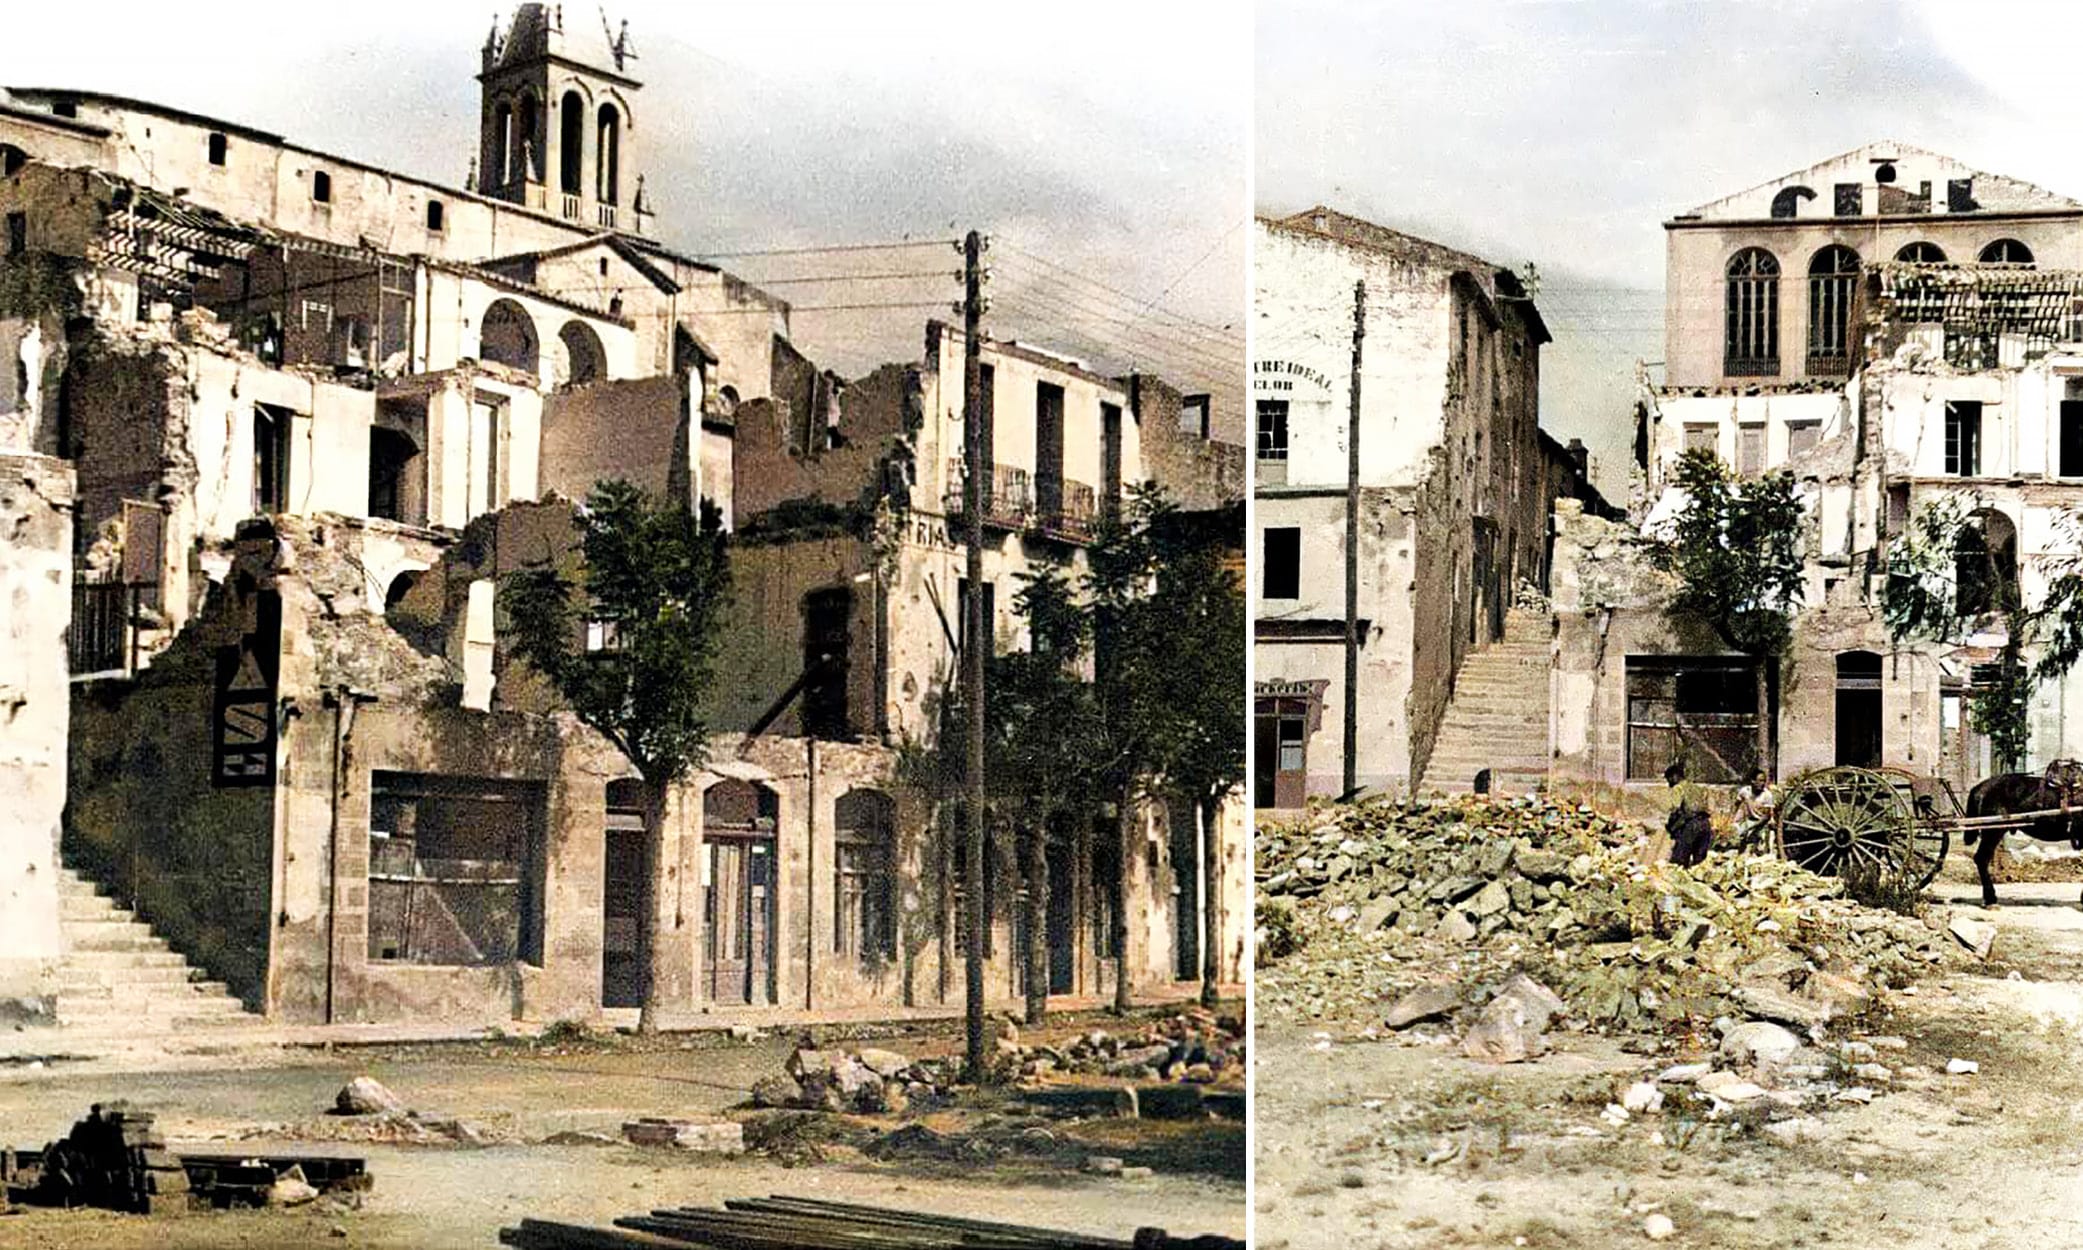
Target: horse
(2009,794)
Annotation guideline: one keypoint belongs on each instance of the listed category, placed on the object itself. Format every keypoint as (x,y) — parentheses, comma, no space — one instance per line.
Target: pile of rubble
(1192,1046)
(1429,905)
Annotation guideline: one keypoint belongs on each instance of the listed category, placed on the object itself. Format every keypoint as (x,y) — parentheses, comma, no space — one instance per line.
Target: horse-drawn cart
(1899,824)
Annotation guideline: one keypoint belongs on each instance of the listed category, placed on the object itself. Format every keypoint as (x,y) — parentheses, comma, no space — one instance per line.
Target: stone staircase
(1498,718)
(120,977)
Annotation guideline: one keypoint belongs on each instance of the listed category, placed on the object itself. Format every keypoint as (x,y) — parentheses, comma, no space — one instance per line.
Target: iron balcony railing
(1008,498)
(104,633)
(1064,508)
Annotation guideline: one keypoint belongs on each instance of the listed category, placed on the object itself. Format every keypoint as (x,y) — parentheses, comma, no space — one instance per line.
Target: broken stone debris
(1479,888)
(724,1137)
(1192,1047)
(366,1096)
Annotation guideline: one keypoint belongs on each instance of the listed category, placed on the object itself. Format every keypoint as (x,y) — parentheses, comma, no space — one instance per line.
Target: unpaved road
(1992,1161)
(440,1196)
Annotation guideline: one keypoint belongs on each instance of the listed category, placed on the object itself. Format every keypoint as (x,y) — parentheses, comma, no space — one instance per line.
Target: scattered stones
(719,1137)
(366,1096)
(1511,1028)
(1658,1227)
(291,1189)
(1976,935)
(1643,1098)
(1962,1067)
(1758,1041)
(1430,1002)
(1684,1073)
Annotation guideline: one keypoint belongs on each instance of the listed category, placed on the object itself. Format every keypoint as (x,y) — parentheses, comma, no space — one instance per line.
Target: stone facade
(35,576)
(1456,480)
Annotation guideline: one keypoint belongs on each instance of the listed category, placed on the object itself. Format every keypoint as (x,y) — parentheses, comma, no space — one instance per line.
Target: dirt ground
(1365,1143)
(442,1196)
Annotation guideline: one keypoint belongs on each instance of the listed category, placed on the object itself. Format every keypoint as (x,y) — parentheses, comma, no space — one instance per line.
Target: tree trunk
(1764,760)
(1211,896)
(1124,997)
(651,936)
(1036,870)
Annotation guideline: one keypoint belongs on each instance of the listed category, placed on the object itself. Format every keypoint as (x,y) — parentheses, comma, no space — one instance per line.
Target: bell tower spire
(557,127)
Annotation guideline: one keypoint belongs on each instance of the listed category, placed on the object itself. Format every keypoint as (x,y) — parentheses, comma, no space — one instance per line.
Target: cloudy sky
(1103,147)
(1565,132)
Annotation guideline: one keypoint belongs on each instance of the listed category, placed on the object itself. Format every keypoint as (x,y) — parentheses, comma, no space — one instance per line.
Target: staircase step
(94,958)
(75,977)
(191,1006)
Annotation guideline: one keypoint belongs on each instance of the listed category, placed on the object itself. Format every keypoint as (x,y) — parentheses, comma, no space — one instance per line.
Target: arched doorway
(1985,564)
(739,823)
(1859,709)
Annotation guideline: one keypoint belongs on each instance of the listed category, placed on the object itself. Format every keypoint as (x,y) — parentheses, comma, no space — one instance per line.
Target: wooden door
(739,915)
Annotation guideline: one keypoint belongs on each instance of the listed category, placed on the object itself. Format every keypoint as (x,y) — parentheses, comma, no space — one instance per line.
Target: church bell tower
(558,133)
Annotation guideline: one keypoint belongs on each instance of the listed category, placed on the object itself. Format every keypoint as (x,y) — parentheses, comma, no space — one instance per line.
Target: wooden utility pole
(976,471)
(1352,551)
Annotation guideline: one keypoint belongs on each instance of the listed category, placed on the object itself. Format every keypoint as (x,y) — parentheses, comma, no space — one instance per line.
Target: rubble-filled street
(1513,1025)
(461,1139)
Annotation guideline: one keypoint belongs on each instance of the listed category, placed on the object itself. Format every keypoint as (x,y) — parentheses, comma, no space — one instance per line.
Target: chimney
(1580,456)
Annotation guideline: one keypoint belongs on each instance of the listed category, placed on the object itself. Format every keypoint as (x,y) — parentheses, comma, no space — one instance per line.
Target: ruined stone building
(274,423)
(1456,478)
(1891,327)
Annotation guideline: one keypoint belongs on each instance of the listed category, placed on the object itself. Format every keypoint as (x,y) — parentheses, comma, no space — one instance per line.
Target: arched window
(1985,564)
(1788,202)
(400,586)
(610,155)
(2006,252)
(529,140)
(503,148)
(1833,279)
(571,145)
(581,358)
(1751,335)
(507,336)
(1921,253)
(864,920)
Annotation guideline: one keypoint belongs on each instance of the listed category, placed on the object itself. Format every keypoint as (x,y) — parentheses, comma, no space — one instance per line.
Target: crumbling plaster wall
(632,429)
(35,589)
(879,417)
(1195,472)
(763,639)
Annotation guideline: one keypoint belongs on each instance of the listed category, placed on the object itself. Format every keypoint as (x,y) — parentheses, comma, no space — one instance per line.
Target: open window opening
(1985,564)
(271,431)
(1698,709)
(864,920)
(1859,709)
(827,661)
(455,868)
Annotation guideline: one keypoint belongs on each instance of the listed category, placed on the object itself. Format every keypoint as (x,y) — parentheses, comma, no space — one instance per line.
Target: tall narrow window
(270,459)
(1963,437)
(571,143)
(1283,576)
(1110,456)
(1751,335)
(435,216)
(1833,277)
(1048,448)
(504,150)
(609,155)
(827,642)
(864,919)
(217,147)
(321,186)
(528,138)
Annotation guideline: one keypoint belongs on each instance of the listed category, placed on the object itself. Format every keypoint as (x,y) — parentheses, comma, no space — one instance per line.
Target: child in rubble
(1690,824)
(1754,808)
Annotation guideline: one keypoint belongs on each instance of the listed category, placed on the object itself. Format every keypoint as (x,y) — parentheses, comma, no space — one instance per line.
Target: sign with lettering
(1284,378)
(243,721)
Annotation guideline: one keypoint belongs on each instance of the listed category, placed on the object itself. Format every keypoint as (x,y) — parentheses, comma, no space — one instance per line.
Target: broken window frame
(1272,429)
(508,887)
(864,895)
(1718,732)
(1963,438)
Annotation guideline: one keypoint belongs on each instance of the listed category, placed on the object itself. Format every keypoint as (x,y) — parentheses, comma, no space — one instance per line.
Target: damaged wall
(35,587)
(635,430)
(1196,472)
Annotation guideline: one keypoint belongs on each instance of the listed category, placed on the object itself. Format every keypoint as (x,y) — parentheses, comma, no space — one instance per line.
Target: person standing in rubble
(1690,824)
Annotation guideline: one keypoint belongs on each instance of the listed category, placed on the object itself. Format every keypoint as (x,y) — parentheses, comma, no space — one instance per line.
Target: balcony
(607,216)
(1065,509)
(1750,366)
(1007,503)
(572,207)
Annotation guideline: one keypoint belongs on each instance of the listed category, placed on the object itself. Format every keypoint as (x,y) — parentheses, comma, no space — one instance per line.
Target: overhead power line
(831,249)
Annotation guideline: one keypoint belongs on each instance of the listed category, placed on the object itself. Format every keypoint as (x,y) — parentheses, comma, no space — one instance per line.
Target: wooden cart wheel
(1919,853)
(1839,816)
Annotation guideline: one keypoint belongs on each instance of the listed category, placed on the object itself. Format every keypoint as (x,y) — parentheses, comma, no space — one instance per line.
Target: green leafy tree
(649,595)
(1196,616)
(1948,576)
(1735,549)
(1041,707)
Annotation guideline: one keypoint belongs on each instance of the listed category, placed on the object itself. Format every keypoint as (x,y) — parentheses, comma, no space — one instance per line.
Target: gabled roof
(615,243)
(1993,193)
